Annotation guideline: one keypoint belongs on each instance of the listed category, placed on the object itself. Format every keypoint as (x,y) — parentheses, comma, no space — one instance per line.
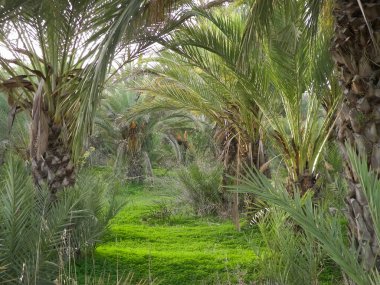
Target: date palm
(355,50)
(319,223)
(37,240)
(132,135)
(60,51)
(301,77)
(199,73)
(264,99)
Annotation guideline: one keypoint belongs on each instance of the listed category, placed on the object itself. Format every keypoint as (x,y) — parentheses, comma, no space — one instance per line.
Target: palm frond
(126,24)
(369,182)
(37,237)
(324,227)
(262,18)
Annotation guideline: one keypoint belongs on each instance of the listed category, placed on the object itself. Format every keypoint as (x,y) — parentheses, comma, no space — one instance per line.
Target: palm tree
(355,50)
(37,239)
(207,82)
(300,75)
(264,99)
(60,49)
(199,73)
(319,222)
(133,133)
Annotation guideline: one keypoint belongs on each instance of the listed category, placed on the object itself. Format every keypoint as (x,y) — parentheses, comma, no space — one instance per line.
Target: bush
(293,256)
(326,228)
(202,188)
(39,239)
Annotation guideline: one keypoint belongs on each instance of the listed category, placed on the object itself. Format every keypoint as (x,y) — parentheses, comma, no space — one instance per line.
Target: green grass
(152,239)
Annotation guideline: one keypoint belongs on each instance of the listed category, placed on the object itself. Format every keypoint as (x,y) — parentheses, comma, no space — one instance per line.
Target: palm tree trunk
(52,163)
(356,53)
(304,182)
(135,168)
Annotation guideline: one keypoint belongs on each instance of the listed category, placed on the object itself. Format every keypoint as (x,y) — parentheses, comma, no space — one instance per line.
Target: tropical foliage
(266,110)
(136,137)
(56,86)
(317,221)
(38,238)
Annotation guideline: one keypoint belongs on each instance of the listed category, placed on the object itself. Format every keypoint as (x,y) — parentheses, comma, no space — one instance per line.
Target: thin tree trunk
(356,53)
(235,209)
(148,165)
(235,198)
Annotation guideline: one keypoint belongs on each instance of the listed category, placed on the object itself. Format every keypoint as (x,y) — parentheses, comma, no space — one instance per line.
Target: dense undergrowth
(158,239)
(153,238)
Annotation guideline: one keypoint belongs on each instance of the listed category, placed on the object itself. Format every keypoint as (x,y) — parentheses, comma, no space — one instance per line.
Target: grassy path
(147,239)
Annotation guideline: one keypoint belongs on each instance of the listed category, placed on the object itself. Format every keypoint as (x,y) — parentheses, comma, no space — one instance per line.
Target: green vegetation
(154,239)
(190,142)
(36,237)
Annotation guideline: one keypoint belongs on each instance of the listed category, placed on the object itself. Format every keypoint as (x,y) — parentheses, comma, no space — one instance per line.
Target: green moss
(184,250)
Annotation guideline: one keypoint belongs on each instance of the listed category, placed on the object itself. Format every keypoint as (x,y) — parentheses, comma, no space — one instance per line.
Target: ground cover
(154,240)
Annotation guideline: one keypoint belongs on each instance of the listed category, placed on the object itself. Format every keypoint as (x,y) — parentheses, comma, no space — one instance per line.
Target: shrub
(202,187)
(293,256)
(319,223)
(37,238)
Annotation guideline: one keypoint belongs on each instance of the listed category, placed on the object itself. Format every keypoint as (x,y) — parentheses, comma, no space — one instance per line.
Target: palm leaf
(326,229)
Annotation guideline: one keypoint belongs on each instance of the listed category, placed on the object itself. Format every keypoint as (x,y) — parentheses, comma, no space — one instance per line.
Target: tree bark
(135,168)
(52,166)
(356,53)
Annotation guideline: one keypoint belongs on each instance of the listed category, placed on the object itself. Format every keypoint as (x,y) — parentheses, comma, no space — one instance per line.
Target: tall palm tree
(355,50)
(199,73)
(300,76)
(58,49)
(264,99)
(207,82)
